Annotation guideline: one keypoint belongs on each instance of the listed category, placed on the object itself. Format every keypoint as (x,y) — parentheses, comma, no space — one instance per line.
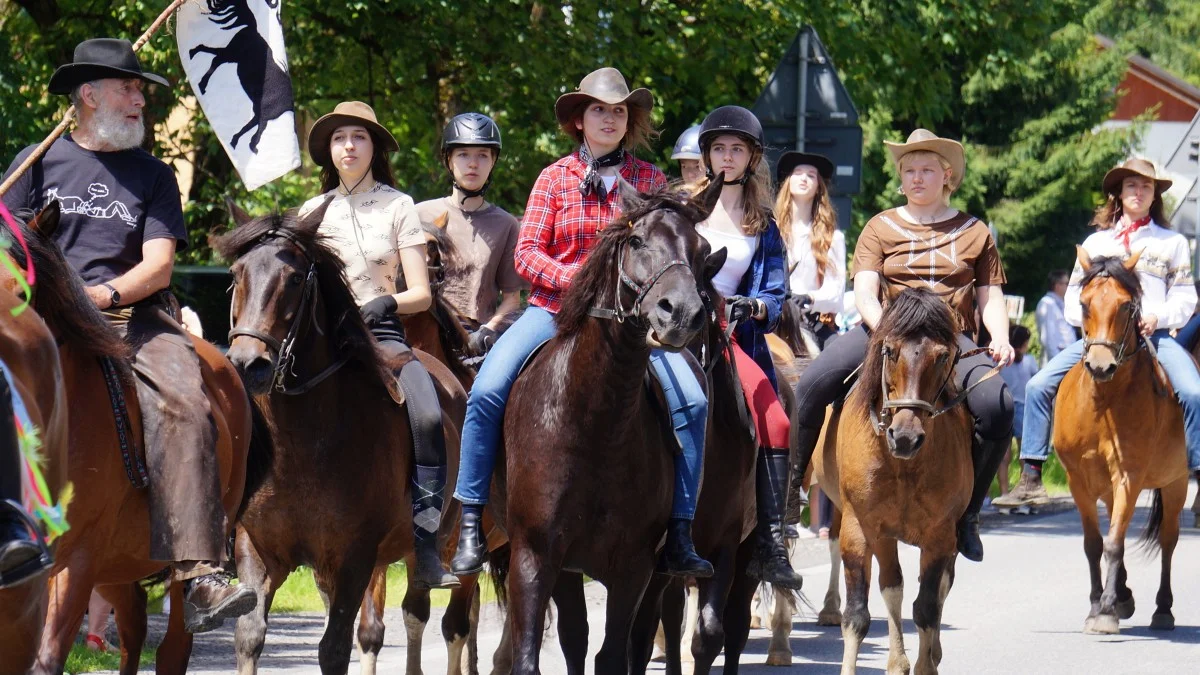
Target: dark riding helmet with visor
(470,129)
(740,122)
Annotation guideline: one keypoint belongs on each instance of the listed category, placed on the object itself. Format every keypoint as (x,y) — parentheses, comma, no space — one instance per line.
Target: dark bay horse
(900,453)
(335,491)
(586,483)
(1119,430)
(28,350)
(108,545)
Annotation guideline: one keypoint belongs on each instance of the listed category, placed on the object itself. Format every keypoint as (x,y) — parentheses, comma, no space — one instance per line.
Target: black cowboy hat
(99,59)
(788,162)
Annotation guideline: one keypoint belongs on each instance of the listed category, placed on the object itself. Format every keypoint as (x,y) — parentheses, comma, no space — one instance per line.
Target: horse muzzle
(255,366)
(674,321)
(905,435)
(1102,368)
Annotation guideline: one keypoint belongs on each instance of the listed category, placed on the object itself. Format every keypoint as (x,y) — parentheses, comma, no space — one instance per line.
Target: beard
(113,129)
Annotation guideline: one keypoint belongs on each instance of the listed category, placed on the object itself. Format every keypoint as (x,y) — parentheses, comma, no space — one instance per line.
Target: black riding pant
(424,410)
(824,382)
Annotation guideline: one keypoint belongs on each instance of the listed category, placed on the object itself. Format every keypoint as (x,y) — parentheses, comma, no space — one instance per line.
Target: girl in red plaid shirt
(572,200)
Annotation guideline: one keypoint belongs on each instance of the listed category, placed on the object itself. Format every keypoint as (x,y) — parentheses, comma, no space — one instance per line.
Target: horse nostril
(665,305)
(918,441)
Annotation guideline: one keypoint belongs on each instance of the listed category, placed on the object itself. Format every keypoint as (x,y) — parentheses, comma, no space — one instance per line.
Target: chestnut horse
(28,351)
(108,545)
(1118,430)
(900,453)
(335,492)
(587,479)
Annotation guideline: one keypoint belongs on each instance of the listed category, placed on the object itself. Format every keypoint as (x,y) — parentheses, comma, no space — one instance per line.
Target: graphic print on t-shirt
(90,207)
(924,253)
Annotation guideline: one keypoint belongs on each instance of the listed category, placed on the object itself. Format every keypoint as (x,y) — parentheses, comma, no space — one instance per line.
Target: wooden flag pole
(69,116)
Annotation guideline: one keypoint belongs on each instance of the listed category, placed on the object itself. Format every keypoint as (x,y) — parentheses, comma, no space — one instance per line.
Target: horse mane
(60,299)
(1113,266)
(596,283)
(916,313)
(340,307)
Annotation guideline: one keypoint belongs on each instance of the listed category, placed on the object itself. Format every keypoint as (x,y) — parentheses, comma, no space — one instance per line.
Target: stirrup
(28,570)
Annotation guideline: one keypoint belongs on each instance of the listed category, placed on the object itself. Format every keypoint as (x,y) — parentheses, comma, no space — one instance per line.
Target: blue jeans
(489,396)
(1187,335)
(1042,388)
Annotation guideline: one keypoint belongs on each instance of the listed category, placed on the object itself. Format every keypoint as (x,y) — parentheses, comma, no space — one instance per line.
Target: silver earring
(900,190)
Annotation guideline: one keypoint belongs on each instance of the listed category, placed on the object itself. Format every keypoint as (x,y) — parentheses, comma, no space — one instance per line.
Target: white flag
(233,54)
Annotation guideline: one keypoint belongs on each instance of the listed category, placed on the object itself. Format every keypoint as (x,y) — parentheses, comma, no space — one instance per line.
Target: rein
(285,351)
(882,419)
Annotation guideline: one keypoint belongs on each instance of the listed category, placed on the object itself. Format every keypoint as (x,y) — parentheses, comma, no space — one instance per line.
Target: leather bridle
(882,418)
(619,313)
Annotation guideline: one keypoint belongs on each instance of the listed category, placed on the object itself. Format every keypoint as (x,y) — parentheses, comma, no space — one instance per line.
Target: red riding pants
(770,420)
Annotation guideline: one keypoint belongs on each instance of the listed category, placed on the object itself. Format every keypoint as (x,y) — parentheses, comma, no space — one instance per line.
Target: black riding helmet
(470,129)
(736,120)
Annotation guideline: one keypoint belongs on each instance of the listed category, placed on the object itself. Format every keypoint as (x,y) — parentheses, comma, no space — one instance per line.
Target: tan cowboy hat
(923,139)
(1134,167)
(606,85)
(347,113)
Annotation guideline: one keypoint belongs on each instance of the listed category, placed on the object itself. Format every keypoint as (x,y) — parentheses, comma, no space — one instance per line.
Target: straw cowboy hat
(606,85)
(1134,167)
(923,139)
(100,59)
(354,113)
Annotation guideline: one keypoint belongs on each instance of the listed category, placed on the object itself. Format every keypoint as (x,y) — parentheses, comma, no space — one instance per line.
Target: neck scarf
(592,183)
(1126,228)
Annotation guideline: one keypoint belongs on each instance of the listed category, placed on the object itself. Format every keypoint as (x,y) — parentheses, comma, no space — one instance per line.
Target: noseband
(1121,349)
(619,313)
(284,352)
(882,419)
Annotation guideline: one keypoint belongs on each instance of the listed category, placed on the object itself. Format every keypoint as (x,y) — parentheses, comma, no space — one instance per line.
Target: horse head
(649,268)
(909,367)
(288,287)
(1111,299)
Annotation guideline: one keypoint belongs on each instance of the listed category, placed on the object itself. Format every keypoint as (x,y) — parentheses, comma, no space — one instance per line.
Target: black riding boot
(428,486)
(472,545)
(22,557)
(986,456)
(804,443)
(770,563)
(679,557)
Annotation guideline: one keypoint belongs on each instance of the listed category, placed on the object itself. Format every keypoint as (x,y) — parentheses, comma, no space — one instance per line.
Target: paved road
(1019,612)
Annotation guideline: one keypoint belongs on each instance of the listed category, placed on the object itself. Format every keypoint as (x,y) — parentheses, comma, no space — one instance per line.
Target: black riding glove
(741,308)
(482,340)
(804,302)
(378,310)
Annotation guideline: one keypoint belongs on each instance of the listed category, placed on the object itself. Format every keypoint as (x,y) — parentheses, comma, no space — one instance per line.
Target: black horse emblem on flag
(266,84)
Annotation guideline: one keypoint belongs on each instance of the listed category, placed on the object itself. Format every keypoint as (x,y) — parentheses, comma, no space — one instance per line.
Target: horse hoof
(1125,608)
(829,617)
(1102,624)
(1162,621)
(779,659)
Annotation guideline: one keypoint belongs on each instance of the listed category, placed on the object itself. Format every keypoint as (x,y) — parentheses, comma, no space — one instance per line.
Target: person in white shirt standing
(1054,332)
(1131,221)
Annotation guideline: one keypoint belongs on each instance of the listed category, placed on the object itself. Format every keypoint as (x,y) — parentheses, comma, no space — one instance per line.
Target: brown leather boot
(211,599)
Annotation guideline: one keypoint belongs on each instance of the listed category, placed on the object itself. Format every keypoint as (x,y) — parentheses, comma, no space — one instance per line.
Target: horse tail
(498,561)
(260,457)
(1149,541)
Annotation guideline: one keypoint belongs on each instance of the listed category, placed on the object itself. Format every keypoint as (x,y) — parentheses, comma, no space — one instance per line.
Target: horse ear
(707,199)
(631,199)
(46,221)
(442,221)
(1132,261)
(312,221)
(714,262)
(1085,260)
(239,216)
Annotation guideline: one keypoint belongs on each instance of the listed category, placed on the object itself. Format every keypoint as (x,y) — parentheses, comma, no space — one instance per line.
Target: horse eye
(295,279)
(636,242)
(943,358)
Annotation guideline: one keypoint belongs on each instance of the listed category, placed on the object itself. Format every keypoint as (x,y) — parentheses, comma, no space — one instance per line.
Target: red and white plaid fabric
(560,224)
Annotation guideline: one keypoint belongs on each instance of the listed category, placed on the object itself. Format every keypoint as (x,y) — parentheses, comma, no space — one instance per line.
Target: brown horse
(335,491)
(108,545)
(1118,430)
(587,480)
(28,350)
(903,467)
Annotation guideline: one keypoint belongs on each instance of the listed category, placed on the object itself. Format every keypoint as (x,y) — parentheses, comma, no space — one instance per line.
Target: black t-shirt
(112,203)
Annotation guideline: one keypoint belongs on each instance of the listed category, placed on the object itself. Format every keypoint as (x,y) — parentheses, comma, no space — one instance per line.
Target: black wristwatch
(113,295)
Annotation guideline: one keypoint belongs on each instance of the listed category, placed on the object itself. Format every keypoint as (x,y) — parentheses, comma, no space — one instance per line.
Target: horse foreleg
(710,628)
(129,603)
(349,583)
(891,586)
(471,666)
(856,556)
(779,651)
(251,630)
(458,625)
(1174,496)
(737,608)
(176,648)
(370,621)
(1196,503)
(691,623)
(1125,494)
(530,583)
(647,625)
(69,590)
(831,611)
(674,602)
(624,596)
(937,575)
(572,620)
(415,607)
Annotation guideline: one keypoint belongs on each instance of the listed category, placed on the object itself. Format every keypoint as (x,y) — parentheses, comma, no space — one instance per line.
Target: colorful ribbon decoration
(27,278)
(37,499)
